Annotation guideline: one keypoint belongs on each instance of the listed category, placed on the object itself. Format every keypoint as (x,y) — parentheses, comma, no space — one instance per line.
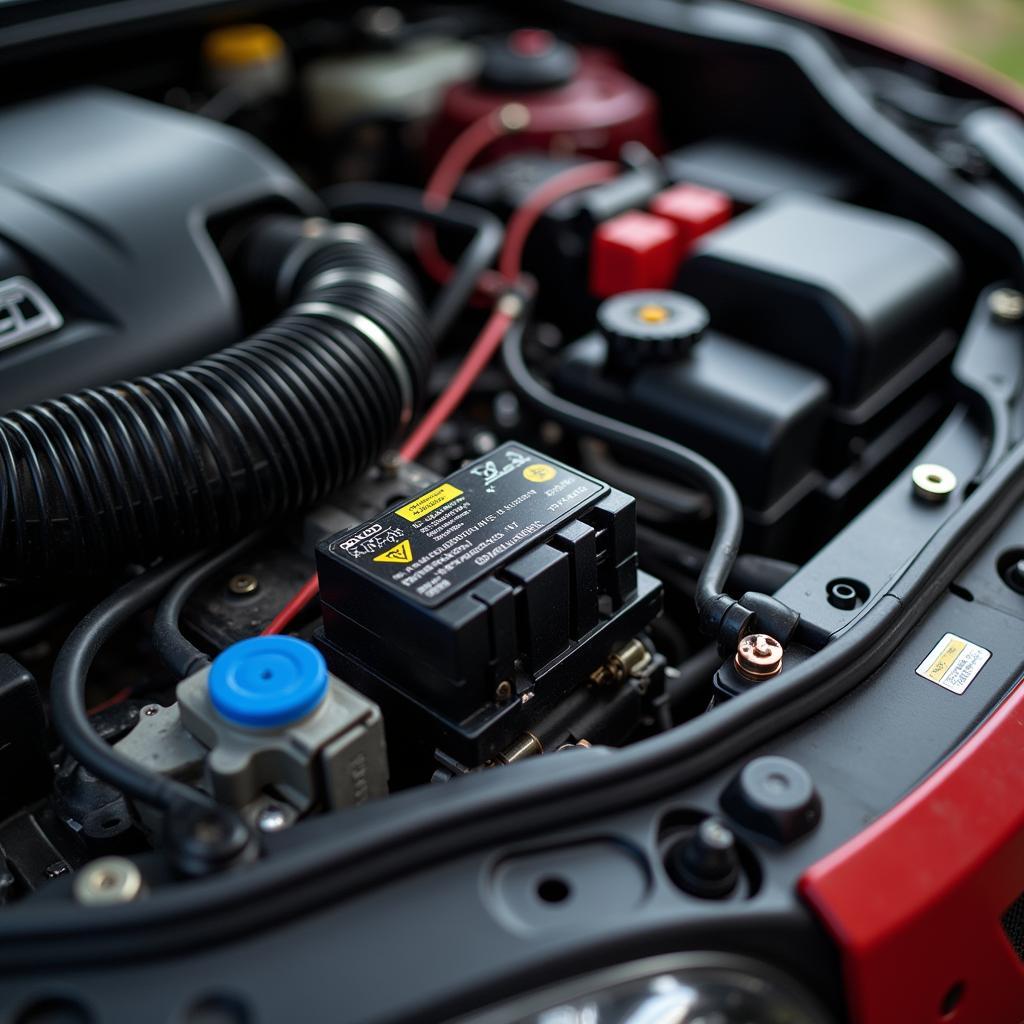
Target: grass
(991,31)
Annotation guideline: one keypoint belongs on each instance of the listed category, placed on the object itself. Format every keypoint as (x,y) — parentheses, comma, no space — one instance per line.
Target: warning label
(463,529)
(953,663)
(428,503)
(400,554)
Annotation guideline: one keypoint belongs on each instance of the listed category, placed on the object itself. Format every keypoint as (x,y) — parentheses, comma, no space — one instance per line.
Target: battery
(497,588)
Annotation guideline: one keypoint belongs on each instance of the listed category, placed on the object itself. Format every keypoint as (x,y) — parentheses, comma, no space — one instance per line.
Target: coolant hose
(175,460)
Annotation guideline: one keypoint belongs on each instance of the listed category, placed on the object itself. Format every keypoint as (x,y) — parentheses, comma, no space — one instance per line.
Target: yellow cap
(239,45)
(652,313)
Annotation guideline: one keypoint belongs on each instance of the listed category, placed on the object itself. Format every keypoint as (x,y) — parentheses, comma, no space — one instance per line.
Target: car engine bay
(431,428)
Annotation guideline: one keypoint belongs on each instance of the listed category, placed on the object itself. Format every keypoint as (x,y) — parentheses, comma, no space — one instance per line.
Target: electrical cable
(67,692)
(19,634)
(710,597)
(509,307)
(178,653)
(294,607)
(454,163)
(488,233)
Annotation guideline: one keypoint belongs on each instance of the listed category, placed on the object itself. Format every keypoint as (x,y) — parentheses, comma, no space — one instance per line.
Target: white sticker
(953,663)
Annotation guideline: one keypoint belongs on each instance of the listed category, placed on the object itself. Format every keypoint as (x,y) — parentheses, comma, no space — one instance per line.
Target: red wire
(479,355)
(490,338)
(294,607)
(122,695)
(525,218)
(457,158)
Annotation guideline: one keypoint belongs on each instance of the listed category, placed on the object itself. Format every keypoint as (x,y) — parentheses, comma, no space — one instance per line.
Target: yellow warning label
(540,473)
(400,554)
(942,662)
(418,508)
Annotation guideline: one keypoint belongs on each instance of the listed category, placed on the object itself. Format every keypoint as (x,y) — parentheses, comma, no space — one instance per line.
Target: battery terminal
(627,661)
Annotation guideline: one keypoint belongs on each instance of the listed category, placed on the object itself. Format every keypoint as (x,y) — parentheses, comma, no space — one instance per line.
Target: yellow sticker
(953,663)
(400,554)
(426,504)
(540,473)
(944,662)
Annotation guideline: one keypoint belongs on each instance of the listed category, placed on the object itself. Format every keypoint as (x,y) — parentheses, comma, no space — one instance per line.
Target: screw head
(107,882)
(758,656)
(243,583)
(390,463)
(273,818)
(150,710)
(503,690)
(1007,304)
(933,482)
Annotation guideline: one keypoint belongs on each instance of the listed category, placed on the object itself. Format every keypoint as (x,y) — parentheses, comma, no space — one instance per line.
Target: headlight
(686,988)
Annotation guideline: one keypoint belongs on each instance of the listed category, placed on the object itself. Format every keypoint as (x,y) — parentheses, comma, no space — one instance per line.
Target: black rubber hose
(354,200)
(168,462)
(710,597)
(67,693)
(178,653)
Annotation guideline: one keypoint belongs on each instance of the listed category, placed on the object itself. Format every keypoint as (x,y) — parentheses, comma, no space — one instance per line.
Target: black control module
(481,602)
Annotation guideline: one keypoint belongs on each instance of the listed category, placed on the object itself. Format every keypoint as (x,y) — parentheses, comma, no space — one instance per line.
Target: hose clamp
(357,275)
(376,336)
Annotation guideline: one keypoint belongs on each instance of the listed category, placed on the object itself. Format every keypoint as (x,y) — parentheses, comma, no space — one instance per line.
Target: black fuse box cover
(849,292)
(507,567)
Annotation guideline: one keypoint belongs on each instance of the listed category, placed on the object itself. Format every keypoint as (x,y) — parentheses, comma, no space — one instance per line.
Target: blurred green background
(991,31)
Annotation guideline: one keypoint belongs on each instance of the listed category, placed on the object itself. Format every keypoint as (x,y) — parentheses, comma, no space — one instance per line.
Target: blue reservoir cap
(267,681)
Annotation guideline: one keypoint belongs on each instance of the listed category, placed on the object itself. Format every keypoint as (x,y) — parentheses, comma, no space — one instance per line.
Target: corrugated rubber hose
(175,460)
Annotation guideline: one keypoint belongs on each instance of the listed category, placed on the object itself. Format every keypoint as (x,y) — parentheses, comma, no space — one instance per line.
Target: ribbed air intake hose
(166,462)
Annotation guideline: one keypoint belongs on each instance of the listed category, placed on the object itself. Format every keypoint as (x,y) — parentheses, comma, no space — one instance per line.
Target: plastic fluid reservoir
(406,83)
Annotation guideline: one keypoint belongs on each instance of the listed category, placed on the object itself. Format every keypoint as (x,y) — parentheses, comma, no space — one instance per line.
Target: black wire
(350,200)
(178,653)
(693,677)
(710,597)
(750,572)
(67,693)
(19,634)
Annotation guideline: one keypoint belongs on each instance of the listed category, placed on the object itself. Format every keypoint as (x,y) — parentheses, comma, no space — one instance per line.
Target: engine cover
(107,265)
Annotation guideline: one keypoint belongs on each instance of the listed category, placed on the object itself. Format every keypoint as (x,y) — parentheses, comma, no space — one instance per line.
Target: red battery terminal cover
(632,251)
(694,210)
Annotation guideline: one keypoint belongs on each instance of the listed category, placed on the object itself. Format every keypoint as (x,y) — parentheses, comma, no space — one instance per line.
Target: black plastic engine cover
(107,266)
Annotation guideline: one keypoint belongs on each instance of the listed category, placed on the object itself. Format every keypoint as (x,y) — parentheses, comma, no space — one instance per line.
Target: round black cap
(528,60)
(650,326)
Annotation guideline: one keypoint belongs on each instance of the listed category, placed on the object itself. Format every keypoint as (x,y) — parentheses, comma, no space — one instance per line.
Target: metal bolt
(1007,304)
(933,482)
(107,882)
(390,463)
(243,583)
(758,656)
(272,818)
(150,710)
(503,690)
